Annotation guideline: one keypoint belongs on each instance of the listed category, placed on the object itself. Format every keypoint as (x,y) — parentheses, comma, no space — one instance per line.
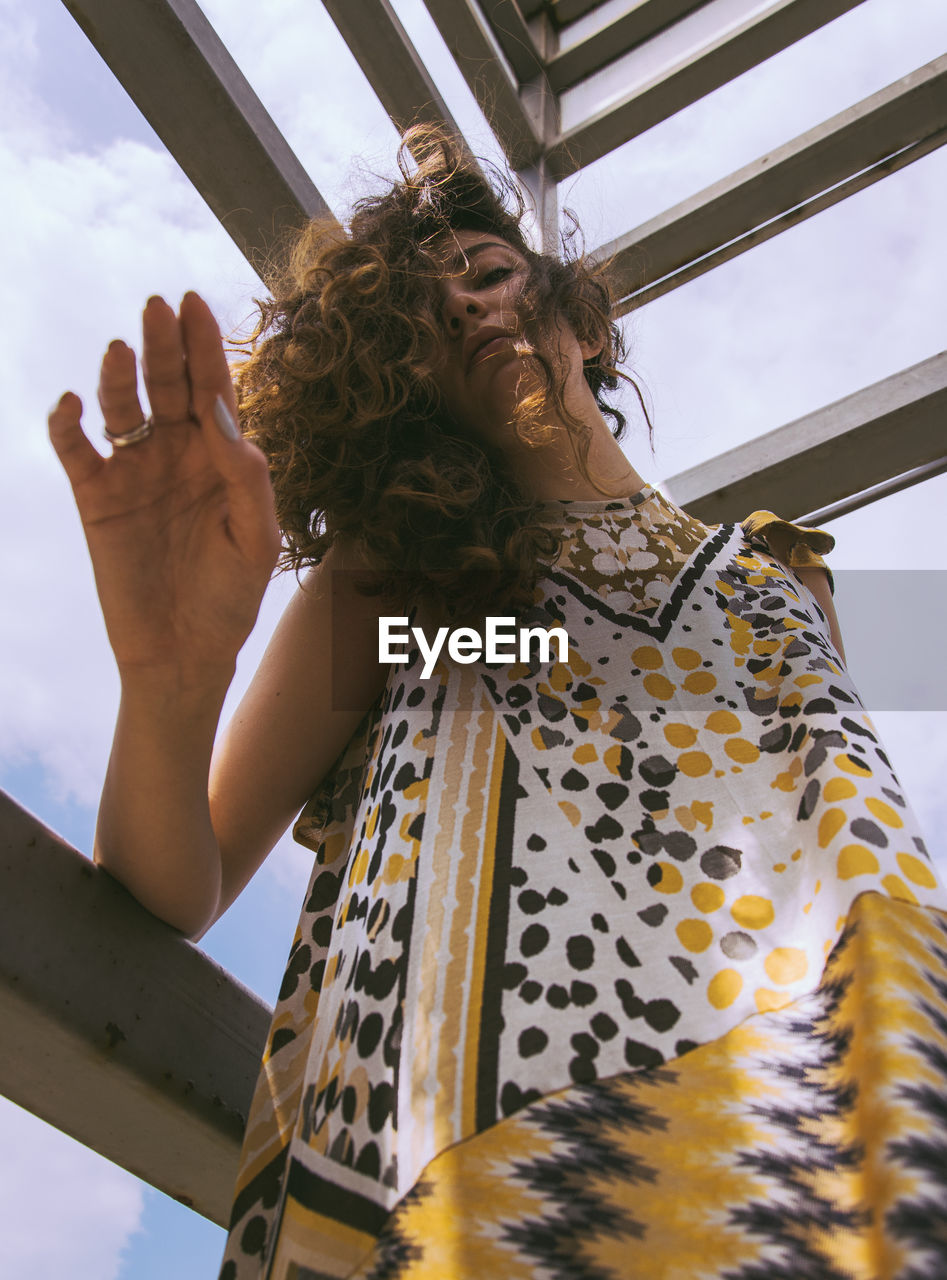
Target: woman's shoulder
(799,544)
(796,545)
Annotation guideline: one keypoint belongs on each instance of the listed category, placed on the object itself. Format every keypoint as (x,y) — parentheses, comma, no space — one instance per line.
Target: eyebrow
(463,256)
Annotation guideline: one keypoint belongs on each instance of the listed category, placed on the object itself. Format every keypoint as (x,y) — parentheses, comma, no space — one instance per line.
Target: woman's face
(484,370)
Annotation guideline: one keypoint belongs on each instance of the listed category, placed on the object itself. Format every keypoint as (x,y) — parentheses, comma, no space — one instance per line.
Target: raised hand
(180,526)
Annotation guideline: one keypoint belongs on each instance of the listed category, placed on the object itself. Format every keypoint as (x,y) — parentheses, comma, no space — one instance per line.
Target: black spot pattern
(593,881)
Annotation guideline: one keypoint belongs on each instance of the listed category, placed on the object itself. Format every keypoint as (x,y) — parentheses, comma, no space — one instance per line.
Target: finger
(242,465)
(250,503)
(118,389)
(246,474)
(207,368)
(162,363)
(79,459)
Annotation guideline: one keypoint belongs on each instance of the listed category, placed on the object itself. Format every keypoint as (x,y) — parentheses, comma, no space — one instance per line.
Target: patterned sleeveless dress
(630,964)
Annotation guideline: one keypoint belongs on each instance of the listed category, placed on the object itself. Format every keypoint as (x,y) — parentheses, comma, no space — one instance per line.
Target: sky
(97,216)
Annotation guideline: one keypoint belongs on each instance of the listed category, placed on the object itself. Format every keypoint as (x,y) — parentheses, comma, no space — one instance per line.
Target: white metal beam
(638,23)
(867,141)
(482,63)
(874,492)
(544,105)
(115,1029)
(179,74)
(514,37)
(383,50)
(565,11)
(844,449)
(689,78)
(530,8)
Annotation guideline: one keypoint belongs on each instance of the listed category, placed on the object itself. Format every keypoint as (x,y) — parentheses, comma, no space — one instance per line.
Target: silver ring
(135,436)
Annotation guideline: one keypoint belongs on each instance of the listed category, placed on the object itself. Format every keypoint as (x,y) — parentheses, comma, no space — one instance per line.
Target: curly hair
(339,391)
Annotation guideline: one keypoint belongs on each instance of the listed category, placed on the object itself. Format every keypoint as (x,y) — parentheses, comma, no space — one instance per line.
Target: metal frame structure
(520,58)
(153,1066)
(115,1029)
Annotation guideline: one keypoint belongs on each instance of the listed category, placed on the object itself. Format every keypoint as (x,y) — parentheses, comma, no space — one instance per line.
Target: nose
(459,303)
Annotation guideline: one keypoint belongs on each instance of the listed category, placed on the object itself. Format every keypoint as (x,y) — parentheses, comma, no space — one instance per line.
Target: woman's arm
(818,583)
(186,846)
(183,538)
(154,831)
(318,678)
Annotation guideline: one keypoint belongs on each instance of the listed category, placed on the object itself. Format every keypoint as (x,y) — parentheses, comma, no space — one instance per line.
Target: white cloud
(331,115)
(95,234)
(66,1210)
(828,307)
(847,60)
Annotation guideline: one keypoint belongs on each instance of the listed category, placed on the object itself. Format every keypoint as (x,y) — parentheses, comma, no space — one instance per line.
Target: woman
(617,963)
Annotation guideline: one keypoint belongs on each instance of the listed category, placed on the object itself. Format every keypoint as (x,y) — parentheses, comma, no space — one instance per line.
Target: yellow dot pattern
(916,871)
(707,897)
(837,789)
(659,686)
(883,812)
(786,964)
(671,880)
(688,820)
(680,735)
(695,935)
(722,722)
(724,987)
(647,658)
(753,911)
(856,860)
(676,822)
(694,763)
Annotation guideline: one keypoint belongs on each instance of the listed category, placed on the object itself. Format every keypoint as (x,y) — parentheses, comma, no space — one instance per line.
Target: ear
(591,350)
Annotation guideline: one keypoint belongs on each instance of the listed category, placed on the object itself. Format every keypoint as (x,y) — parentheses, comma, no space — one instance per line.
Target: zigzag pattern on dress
(806,1144)
(545,889)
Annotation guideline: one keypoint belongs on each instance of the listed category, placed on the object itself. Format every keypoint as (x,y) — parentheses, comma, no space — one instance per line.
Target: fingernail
(155,297)
(225,420)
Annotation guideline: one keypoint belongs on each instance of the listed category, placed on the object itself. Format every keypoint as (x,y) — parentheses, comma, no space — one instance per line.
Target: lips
(484,343)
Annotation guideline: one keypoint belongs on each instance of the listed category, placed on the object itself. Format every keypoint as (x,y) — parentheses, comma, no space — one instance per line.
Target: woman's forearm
(154,830)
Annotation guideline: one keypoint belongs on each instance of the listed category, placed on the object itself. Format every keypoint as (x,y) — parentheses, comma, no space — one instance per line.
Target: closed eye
(494,276)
